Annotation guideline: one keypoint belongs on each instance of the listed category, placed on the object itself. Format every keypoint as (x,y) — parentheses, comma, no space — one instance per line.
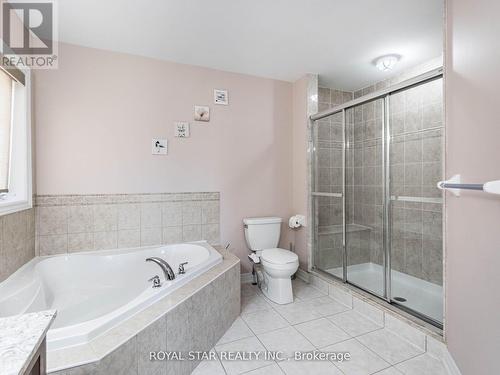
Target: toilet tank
(262,232)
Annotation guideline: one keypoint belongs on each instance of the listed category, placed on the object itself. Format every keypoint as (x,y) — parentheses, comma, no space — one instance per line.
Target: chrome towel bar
(454,185)
(416,199)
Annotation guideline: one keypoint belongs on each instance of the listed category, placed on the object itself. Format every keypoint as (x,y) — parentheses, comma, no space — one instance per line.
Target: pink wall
(96,115)
(299,193)
(473,220)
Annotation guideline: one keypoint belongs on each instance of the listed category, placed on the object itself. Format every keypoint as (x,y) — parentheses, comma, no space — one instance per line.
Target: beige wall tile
(152,338)
(53,244)
(53,220)
(105,240)
(172,235)
(210,233)
(151,236)
(17,245)
(151,215)
(171,214)
(80,219)
(210,212)
(191,213)
(129,238)
(15,230)
(123,360)
(105,217)
(191,233)
(129,216)
(80,242)
(95,226)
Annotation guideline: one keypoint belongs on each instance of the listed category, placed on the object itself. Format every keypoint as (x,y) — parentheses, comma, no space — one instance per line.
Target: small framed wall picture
(159,146)
(220,97)
(201,113)
(181,129)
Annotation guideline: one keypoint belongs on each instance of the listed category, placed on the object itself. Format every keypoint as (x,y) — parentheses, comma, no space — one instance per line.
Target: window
(15,141)
(6,86)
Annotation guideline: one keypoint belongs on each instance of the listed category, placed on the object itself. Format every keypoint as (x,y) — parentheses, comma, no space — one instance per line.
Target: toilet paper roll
(295,221)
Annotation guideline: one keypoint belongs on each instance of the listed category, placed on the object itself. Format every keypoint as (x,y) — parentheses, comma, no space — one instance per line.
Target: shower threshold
(422,296)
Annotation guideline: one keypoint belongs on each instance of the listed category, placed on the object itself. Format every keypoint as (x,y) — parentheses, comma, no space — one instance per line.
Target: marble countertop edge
(20,337)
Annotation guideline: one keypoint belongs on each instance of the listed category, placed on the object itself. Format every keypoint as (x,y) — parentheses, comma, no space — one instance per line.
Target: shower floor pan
(421,296)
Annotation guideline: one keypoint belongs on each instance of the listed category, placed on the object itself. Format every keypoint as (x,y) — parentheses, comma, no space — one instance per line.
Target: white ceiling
(281,39)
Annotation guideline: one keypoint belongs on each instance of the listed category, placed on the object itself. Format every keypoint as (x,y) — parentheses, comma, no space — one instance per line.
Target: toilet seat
(278,256)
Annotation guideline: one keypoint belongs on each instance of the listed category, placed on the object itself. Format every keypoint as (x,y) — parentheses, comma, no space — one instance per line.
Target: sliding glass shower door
(377,220)
(327,199)
(364,196)
(416,204)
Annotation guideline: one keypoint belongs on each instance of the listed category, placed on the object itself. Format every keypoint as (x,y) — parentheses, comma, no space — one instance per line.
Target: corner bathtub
(94,291)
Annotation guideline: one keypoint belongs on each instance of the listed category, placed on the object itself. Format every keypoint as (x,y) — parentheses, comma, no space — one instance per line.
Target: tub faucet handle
(181,268)
(156,281)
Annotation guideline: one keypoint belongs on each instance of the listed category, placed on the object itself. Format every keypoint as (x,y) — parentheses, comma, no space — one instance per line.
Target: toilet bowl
(262,236)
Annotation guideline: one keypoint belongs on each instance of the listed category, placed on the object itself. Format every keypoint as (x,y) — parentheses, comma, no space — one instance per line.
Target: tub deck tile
(185,309)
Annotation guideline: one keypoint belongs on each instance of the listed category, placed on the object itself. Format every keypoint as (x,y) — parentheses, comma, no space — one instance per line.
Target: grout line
(354,336)
(372,350)
(293,326)
(391,367)
(228,342)
(218,360)
(408,359)
(263,367)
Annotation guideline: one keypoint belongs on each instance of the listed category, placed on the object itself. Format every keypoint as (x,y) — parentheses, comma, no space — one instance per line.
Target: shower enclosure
(377,213)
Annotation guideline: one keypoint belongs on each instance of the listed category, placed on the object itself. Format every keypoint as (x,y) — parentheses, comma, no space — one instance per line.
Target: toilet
(262,235)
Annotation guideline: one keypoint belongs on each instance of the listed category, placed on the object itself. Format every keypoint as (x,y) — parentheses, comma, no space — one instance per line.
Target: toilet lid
(279,256)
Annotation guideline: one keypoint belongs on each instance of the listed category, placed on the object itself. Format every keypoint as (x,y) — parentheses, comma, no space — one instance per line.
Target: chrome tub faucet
(165,267)
(182,271)
(156,281)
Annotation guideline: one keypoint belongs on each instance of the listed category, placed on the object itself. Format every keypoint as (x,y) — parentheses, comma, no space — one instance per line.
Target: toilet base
(278,290)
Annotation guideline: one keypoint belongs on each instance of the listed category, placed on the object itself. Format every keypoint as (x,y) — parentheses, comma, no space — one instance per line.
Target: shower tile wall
(328,179)
(416,121)
(73,223)
(364,185)
(416,166)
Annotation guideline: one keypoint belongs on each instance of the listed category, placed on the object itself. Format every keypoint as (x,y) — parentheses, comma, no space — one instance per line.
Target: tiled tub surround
(194,317)
(74,223)
(94,291)
(17,241)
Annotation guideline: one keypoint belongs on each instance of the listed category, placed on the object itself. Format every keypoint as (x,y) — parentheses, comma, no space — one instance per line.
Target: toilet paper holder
(297,221)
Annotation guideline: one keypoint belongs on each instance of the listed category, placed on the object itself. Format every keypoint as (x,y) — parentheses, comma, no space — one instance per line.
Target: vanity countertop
(20,338)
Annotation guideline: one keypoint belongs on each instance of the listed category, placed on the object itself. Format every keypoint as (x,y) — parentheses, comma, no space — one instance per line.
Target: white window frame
(20,195)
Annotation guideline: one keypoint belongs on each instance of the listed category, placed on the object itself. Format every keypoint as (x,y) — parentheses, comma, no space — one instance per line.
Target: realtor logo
(29,34)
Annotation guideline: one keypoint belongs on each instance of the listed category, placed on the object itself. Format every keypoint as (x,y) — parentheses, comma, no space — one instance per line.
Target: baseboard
(246,278)
(303,275)
(450,365)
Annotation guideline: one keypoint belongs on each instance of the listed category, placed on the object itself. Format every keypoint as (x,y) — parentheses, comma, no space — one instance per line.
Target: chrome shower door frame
(383,94)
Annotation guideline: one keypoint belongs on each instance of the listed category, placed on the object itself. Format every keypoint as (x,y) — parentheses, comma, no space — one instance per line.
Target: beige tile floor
(314,321)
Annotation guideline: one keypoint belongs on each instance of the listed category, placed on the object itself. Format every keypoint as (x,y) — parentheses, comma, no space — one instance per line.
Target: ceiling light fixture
(387,62)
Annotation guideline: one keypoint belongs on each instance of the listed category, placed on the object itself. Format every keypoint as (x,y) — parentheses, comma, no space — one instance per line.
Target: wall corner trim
(449,364)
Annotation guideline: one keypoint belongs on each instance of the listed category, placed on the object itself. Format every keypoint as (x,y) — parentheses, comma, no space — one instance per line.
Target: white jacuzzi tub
(94,291)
